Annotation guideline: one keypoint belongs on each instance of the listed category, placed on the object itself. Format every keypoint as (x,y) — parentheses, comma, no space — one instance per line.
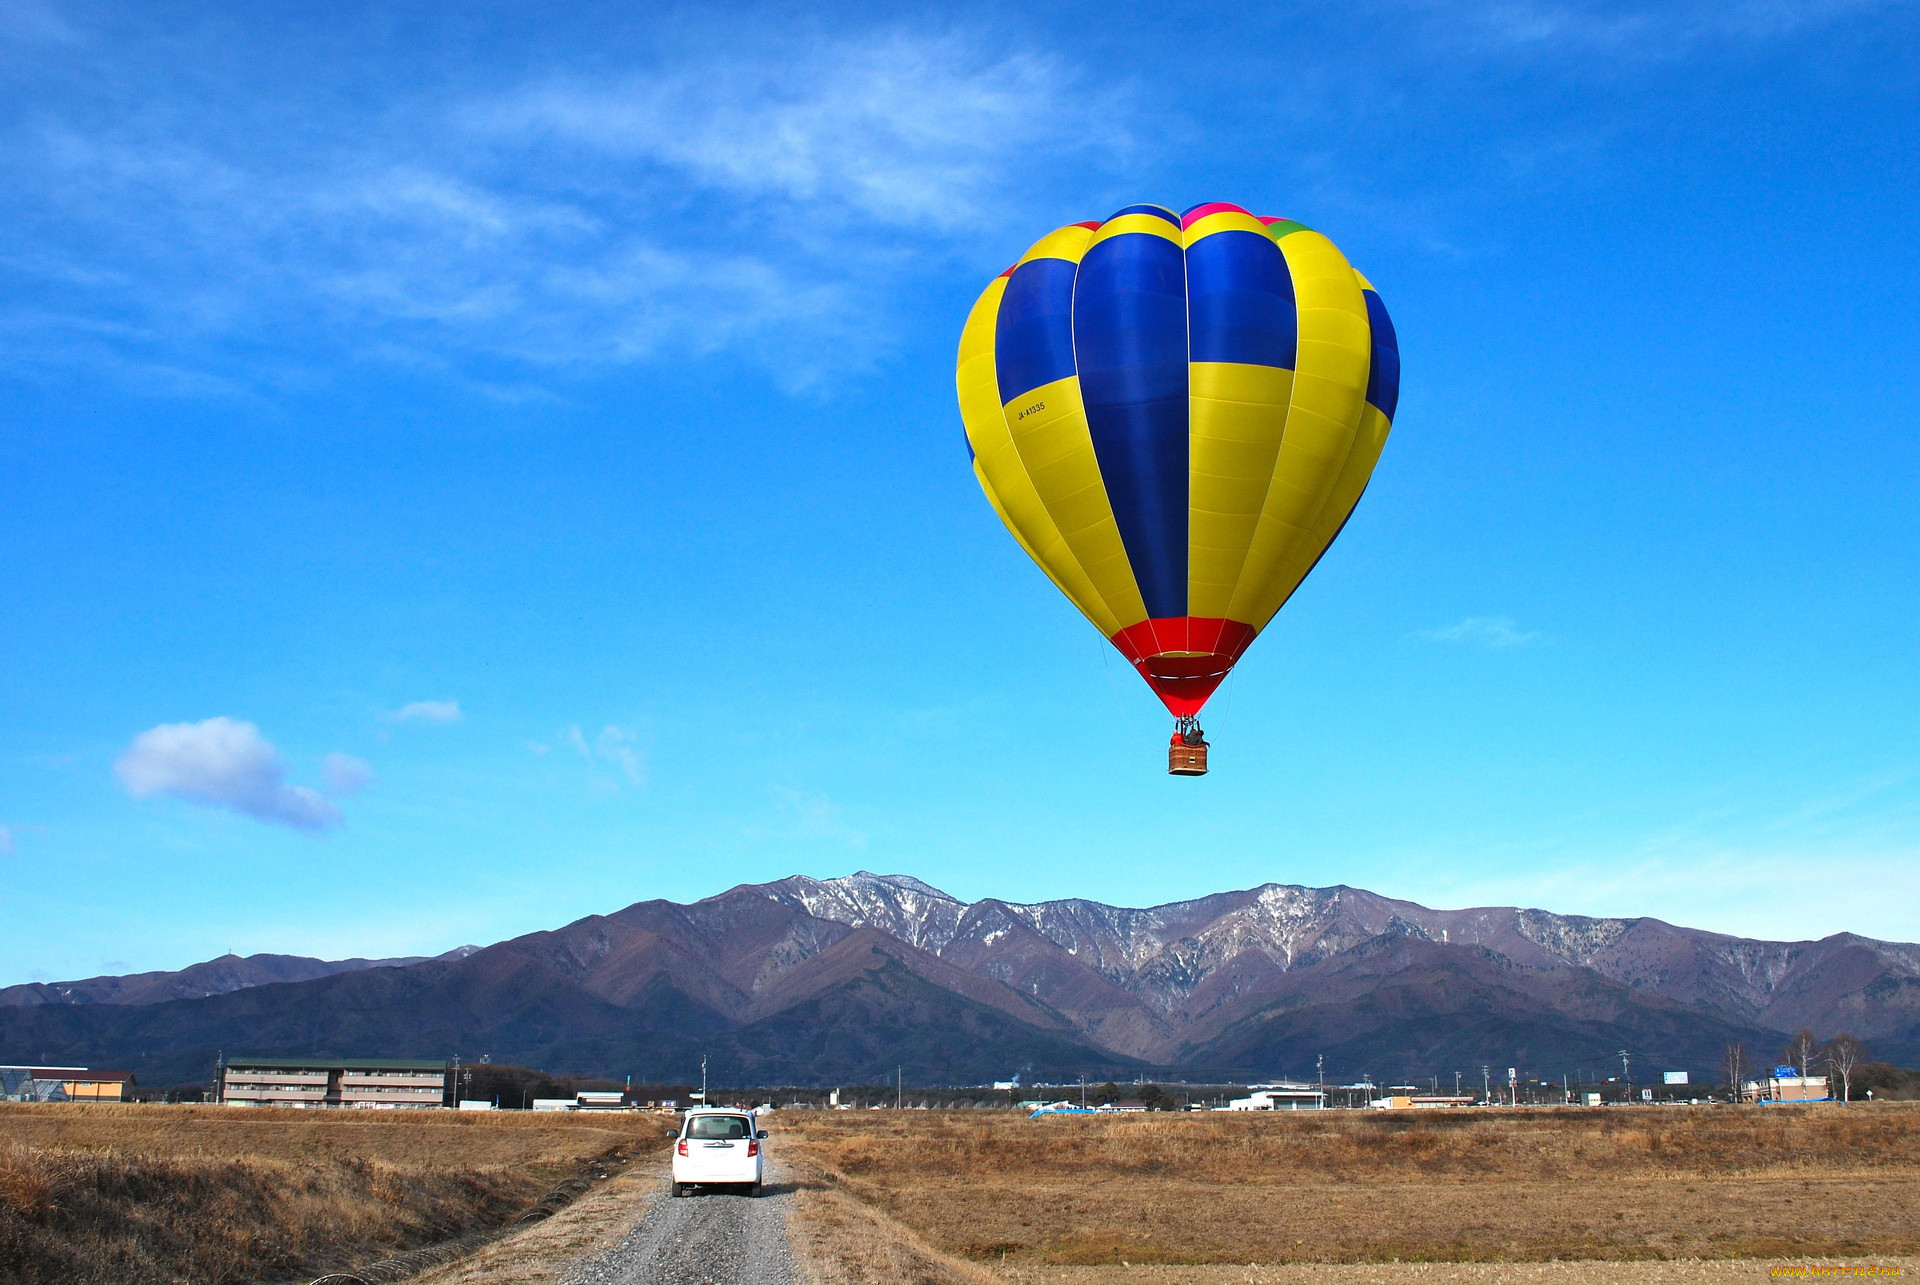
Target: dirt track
(700,1240)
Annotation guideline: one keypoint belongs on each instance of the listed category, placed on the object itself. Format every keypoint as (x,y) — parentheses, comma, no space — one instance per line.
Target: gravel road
(702,1240)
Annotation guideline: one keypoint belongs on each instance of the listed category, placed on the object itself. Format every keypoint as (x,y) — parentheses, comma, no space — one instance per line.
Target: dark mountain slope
(882,1015)
(214,977)
(820,980)
(1401,1007)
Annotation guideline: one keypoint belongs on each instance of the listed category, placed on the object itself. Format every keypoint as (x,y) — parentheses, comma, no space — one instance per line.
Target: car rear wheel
(753,1190)
(679,1189)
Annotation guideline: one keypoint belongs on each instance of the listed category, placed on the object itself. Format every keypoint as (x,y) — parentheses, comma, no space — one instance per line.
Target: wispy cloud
(1723,866)
(1496,633)
(223,763)
(344,774)
(806,814)
(428,712)
(893,128)
(613,748)
(616,746)
(1634,32)
(36,22)
(1724,888)
(772,198)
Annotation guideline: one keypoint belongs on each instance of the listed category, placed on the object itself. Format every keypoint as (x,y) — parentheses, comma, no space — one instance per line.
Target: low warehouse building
(63,1084)
(389,1084)
(1786,1085)
(1279,1097)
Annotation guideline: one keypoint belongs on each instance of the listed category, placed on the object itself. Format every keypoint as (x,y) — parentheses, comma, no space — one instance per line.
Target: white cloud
(1657,32)
(613,748)
(224,763)
(6,842)
(345,774)
(33,21)
(773,198)
(809,815)
(1761,892)
(428,712)
(892,128)
(1493,632)
(616,747)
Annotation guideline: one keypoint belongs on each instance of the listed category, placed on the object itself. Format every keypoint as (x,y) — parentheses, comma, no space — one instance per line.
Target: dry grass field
(1036,1200)
(122,1194)
(213,1196)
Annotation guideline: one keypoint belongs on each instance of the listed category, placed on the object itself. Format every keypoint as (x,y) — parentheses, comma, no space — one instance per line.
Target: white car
(718,1147)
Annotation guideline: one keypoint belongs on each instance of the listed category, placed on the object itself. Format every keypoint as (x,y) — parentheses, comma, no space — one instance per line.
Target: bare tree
(1736,1068)
(1800,1050)
(1843,1053)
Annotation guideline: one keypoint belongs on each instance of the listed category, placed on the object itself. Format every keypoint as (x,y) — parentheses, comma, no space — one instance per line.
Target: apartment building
(387,1084)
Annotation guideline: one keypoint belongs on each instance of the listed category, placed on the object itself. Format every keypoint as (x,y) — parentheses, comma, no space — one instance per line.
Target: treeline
(1843,1059)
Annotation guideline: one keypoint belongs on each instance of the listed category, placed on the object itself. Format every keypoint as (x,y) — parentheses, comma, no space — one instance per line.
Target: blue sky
(531,435)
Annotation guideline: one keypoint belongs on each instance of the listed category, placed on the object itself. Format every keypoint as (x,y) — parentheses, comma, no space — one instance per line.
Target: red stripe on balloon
(1183,682)
(1199,212)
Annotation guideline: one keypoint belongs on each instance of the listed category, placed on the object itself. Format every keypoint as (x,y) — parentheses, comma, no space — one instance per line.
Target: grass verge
(119,1195)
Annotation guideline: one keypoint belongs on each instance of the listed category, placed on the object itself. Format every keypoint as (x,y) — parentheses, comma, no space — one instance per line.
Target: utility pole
(1486,1083)
(899,1086)
(1320,1073)
(456,1081)
(1626,1078)
(1456,1084)
(703,1079)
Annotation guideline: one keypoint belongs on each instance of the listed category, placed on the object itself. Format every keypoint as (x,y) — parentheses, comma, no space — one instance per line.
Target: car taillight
(753,1148)
(682,1148)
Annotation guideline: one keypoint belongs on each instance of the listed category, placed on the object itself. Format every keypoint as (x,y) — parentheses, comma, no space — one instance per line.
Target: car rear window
(718,1126)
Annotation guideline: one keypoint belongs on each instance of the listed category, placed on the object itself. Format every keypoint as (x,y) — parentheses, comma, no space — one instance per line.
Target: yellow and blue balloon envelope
(1175,414)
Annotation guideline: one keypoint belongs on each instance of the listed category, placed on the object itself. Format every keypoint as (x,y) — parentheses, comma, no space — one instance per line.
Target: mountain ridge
(806,980)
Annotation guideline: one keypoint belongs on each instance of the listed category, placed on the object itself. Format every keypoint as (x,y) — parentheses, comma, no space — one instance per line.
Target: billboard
(1673,1077)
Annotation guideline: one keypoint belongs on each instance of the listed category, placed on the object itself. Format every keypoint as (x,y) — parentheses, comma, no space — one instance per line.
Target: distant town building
(1279,1097)
(1786,1086)
(63,1084)
(1420,1101)
(387,1084)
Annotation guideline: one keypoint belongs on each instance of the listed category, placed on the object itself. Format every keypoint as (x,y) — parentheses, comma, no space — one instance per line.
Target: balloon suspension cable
(1188,730)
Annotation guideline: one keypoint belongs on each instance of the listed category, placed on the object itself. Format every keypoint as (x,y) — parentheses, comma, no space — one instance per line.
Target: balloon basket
(1187,751)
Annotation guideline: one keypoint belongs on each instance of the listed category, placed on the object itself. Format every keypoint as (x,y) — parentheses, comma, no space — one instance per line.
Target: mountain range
(820,981)
(197,981)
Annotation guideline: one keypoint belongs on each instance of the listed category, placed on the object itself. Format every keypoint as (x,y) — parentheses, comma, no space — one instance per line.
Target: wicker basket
(1187,760)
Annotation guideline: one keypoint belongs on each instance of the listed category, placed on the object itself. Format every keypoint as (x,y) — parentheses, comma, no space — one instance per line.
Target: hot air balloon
(1175,414)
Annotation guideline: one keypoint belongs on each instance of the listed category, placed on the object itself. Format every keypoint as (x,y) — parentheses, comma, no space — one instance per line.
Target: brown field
(1034,1200)
(122,1194)
(1695,1196)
